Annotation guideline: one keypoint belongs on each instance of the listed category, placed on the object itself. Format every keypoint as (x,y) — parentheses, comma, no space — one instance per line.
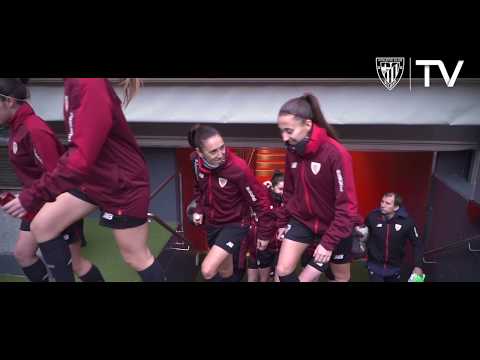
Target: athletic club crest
(222,182)
(315,166)
(14,148)
(398,227)
(390,70)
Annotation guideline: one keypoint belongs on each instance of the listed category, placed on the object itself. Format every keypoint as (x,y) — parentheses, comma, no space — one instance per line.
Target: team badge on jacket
(398,227)
(222,182)
(315,166)
(14,148)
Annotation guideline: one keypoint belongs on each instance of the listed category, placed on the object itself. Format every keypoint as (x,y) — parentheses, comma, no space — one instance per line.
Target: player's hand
(321,254)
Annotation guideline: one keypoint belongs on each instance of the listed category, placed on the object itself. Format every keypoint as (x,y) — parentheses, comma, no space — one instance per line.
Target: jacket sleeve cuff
(28,202)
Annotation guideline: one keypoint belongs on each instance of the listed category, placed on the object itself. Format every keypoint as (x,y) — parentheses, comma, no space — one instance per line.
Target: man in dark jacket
(390,227)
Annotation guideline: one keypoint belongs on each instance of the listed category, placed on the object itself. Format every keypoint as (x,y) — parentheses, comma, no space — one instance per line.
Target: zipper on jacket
(307,196)
(387,238)
(316,225)
(210,195)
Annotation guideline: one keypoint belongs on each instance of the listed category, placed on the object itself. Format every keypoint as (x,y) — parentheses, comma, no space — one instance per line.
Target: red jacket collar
(24,111)
(318,138)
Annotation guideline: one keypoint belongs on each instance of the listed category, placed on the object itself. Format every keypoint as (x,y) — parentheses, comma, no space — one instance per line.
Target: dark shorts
(73,234)
(108,218)
(307,259)
(262,259)
(379,273)
(228,237)
(296,231)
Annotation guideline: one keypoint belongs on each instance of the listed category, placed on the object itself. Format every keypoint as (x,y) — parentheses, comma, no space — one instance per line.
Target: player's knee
(42,230)
(134,261)
(341,276)
(283,270)
(81,266)
(23,255)
(208,271)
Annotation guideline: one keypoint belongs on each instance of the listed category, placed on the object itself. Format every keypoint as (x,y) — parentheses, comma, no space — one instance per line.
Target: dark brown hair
(307,107)
(131,86)
(398,201)
(15,88)
(276,178)
(198,134)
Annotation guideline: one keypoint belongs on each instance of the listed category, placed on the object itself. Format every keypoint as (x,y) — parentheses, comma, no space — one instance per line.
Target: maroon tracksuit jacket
(102,159)
(225,195)
(320,191)
(251,240)
(33,148)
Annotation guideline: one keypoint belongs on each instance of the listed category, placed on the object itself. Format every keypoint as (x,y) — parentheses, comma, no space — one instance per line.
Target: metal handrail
(162,186)
(251,156)
(152,216)
(169,228)
(451,246)
(470,246)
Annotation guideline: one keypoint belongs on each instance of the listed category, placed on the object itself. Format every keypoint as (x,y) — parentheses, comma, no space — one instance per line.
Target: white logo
(320,264)
(340,180)
(66,104)
(230,245)
(398,227)
(70,125)
(294,165)
(416,233)
(222,182)
(390,70)
(449,81)
(37,156)
(14,148)
(201,175)
(66,237)
(379,225)
(251,194)
(339,257)
(287,229)
(108,216)
(315,167)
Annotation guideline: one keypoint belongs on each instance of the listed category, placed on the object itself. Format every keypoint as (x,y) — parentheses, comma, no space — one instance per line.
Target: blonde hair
(131,87)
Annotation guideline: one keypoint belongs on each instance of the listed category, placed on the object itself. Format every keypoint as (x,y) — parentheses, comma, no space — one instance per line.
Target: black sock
(94,275)
(154,273)
(231,278)
(237,276)
(329,274)
(58,259)
(289,278)
(36,272)
(216,278)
